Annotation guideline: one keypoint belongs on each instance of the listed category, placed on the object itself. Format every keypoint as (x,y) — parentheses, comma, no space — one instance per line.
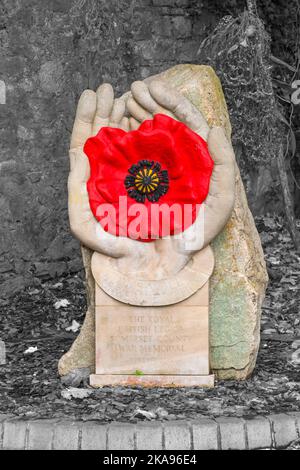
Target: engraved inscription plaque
(140,342)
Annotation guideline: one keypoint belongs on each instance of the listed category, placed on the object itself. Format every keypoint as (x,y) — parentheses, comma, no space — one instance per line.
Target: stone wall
(50,52)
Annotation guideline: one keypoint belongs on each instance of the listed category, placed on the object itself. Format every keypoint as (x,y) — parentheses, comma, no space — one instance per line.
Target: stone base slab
(102,380)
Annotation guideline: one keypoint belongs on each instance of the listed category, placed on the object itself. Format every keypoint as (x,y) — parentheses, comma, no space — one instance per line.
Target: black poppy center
(146,180)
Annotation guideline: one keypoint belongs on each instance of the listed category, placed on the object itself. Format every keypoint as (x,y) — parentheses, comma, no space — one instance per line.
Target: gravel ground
(30,386)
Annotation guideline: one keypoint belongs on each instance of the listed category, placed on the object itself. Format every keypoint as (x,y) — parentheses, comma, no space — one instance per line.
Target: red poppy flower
(161,166)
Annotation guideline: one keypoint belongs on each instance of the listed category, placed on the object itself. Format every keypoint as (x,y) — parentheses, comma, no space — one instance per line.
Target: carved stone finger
(183,109)
(219,203)
(217,207)
(141,94)
(105,101)
(117,113)
(124,124)
(133,124)
(84,118)
(137,111)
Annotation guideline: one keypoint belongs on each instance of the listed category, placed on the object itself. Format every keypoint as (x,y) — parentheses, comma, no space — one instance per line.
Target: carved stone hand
(163,259)
(157,97)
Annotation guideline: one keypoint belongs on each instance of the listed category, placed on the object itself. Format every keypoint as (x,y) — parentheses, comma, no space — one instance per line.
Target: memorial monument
(174,294)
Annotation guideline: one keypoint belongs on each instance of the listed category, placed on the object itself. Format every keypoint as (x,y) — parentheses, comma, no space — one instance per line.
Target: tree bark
(252,7)
(288,199)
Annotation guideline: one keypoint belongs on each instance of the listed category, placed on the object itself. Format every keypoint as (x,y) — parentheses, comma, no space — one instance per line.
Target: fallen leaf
(73,392)
(296,344)
(138,413)
(74,327)
(296,357)
(31,350)
(33,291)
(62,303)
(269,331)
(161,412)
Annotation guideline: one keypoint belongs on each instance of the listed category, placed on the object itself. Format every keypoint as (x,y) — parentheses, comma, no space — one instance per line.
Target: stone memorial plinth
(154,345)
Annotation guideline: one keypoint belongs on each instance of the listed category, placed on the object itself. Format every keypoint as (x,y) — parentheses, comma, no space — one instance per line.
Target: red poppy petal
(103,147)
(180,152)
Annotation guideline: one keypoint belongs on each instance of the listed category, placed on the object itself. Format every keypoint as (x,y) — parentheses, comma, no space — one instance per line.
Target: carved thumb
(219,203)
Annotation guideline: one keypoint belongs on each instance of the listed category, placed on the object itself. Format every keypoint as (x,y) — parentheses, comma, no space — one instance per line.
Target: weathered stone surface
(239,279)
(82,352)
(167,346)
(232,433)
(120,437)
(66,436)
(258,433)
(177,436)
(40,434)
(170,290)
(76,377)
(205,434)
(149,436)
(284,429)
(14,436)
(93,436)
(152,381)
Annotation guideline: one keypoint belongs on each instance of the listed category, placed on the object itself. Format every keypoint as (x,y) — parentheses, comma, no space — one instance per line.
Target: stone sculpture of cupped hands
(164,257)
